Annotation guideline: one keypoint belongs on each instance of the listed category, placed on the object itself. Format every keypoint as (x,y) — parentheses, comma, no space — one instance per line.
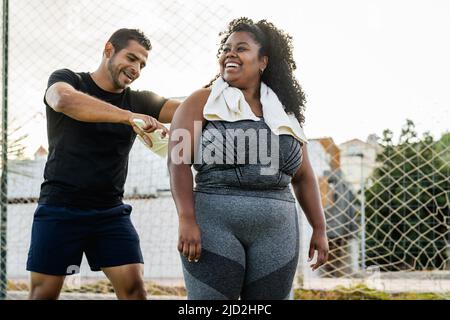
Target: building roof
(352,141)
(41,152)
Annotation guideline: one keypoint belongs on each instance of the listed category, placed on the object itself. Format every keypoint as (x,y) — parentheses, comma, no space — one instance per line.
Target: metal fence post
(363,218)
(4,169)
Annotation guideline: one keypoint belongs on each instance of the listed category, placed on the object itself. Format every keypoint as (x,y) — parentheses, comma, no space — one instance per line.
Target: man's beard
(114,73)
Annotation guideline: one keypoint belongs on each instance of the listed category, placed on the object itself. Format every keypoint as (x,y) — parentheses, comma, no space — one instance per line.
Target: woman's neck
(253,98)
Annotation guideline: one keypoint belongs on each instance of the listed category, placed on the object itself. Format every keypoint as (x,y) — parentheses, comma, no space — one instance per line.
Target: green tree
(407,207)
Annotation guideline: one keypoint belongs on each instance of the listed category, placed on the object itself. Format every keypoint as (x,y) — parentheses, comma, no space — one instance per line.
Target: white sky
(369,65)
(364,65)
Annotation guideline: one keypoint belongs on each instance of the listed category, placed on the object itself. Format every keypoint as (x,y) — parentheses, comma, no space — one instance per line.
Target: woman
(238,230)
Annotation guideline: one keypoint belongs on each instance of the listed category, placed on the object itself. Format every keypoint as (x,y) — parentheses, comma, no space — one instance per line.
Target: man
(90,132)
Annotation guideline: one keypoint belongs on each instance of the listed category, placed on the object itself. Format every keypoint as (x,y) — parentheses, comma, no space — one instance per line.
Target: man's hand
(143,124)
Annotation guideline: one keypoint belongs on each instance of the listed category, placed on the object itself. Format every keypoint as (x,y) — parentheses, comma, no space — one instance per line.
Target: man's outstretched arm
(64,98)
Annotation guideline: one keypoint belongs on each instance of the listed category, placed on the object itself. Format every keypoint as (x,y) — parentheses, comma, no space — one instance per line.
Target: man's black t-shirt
(87,162)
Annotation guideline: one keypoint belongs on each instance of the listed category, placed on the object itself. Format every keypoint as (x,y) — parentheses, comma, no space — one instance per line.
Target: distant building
(358,160)
(25,177)
(41,152)
(321,163)
(325,158)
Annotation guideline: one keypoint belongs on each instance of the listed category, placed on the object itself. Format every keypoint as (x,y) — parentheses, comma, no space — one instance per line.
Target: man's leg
(45,287)
(56,247)
(127,281)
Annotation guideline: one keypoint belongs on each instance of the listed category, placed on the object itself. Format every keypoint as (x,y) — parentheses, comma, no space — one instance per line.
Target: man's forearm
(83,107)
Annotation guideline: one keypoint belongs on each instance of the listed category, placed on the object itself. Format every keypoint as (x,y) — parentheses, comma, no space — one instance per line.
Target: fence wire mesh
(387,209)
(386,202)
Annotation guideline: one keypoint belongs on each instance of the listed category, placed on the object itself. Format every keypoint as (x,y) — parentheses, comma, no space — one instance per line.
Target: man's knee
(134,291)
(127,280)
(45,287)
(44,291)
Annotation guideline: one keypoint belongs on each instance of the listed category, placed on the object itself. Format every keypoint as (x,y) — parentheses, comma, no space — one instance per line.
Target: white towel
(228,104)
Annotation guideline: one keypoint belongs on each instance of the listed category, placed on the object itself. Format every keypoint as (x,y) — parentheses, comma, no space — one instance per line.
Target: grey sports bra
(245,155)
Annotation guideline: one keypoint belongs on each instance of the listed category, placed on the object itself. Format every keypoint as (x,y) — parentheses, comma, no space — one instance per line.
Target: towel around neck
(228,103)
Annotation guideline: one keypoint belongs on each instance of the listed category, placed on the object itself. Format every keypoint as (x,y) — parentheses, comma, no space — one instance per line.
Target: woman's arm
(185,134)
(168,110)
(308,195)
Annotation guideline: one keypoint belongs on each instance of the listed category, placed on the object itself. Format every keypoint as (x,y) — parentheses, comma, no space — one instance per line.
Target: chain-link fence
(387,204)
(387,208)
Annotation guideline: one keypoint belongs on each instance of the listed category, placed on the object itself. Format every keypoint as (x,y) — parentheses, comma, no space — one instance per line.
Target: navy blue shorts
(60,236)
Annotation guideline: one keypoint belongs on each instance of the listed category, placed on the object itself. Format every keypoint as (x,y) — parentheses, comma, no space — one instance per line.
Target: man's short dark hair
(120,38)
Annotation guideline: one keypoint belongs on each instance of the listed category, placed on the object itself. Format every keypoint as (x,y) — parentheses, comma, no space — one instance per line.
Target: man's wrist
(126,116)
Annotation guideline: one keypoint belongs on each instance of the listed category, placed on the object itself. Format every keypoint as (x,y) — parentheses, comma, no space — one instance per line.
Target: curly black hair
(279,73)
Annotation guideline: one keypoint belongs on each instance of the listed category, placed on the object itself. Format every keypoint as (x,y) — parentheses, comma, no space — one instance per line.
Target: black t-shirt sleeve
(146,102)
(63,75)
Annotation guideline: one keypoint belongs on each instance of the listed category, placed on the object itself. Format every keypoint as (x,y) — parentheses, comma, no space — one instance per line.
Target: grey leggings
(250,248)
